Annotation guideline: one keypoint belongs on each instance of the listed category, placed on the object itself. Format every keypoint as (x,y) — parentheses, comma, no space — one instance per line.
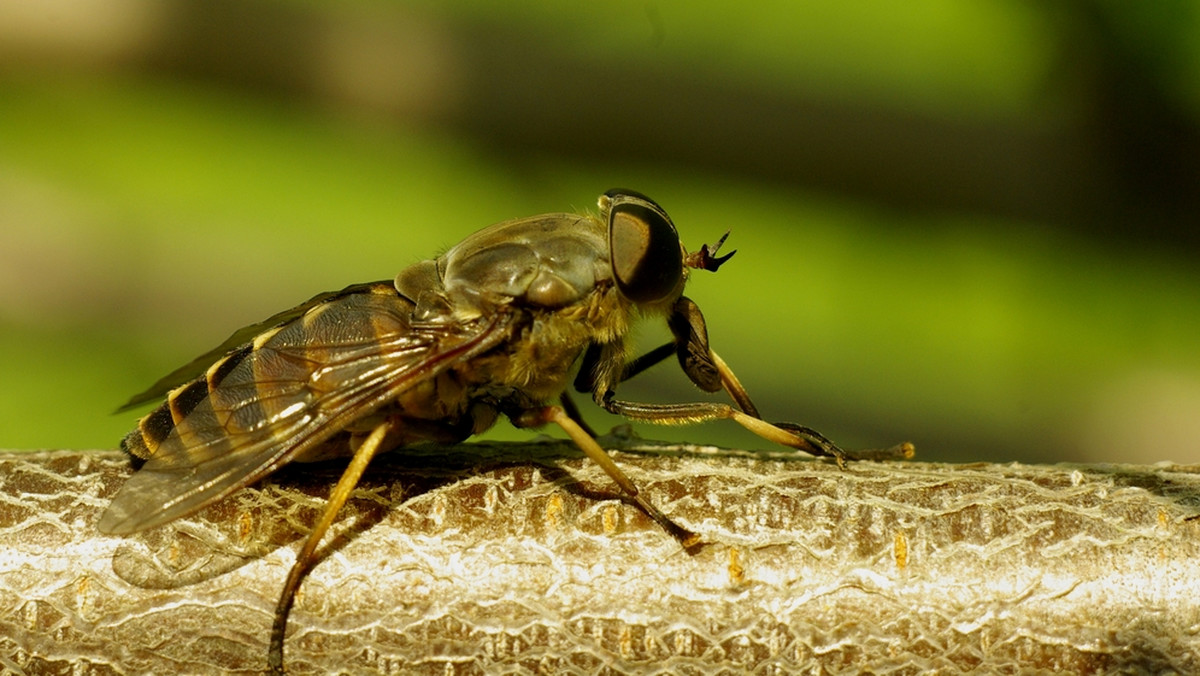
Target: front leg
(786,434)
(798,437)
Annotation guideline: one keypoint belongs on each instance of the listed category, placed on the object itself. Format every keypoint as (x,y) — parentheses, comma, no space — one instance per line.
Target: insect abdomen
(153,429)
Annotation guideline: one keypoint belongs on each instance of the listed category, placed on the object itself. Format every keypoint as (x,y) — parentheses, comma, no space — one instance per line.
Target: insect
(495,326)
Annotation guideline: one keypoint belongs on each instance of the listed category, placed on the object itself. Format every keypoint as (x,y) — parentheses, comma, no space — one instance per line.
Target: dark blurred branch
(1116,156)
(493,558)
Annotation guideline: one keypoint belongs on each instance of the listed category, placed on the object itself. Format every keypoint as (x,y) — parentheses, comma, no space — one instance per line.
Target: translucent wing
(243,335)
(285,392)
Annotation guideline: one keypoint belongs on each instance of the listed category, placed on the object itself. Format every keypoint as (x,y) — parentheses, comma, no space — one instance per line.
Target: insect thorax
(536,365)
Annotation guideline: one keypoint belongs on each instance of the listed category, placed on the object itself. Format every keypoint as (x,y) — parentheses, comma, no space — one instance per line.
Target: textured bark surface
(518,558)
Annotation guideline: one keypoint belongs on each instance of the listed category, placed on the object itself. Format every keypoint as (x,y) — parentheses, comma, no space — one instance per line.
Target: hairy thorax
(536,366)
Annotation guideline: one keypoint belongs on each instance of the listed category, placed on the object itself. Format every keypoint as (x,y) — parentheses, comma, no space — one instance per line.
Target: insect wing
(199,365)
(290,389)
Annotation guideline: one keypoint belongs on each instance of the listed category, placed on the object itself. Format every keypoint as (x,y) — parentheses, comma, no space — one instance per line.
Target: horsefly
(495,326)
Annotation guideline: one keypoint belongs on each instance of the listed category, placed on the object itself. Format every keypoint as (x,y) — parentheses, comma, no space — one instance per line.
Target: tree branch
(520,558)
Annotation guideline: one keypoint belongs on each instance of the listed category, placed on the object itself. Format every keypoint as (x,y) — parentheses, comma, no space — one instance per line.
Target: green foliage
(145,218)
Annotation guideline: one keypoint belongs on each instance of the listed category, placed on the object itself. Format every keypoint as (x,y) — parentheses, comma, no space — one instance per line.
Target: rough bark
(519,558)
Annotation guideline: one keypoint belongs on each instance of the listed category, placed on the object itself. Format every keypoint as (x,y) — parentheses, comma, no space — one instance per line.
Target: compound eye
(647,261)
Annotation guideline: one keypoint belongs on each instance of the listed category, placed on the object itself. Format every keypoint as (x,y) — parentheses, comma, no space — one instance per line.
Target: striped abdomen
(287,375)
(154,428)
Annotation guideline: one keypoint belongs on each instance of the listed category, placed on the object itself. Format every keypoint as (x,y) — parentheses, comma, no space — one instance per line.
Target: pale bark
(517,558)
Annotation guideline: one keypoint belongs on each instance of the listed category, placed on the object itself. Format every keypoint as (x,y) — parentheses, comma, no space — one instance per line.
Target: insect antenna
(706,257)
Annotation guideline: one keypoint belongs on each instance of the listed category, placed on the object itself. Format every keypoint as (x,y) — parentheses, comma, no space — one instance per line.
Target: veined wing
(199,365)
(285,392)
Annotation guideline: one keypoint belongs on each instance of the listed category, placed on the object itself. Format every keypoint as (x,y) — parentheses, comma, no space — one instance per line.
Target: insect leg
(585,380)
(304,559)
(729,381)
(787,434)
(555,414)
(573,411)
(647,360)
(733,386)
(784,433)
(707,370)
(738,393)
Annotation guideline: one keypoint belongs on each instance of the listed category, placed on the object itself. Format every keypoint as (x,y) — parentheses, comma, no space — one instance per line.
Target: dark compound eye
(647,261)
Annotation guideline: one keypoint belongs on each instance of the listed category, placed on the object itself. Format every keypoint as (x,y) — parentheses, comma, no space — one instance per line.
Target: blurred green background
(968,224)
